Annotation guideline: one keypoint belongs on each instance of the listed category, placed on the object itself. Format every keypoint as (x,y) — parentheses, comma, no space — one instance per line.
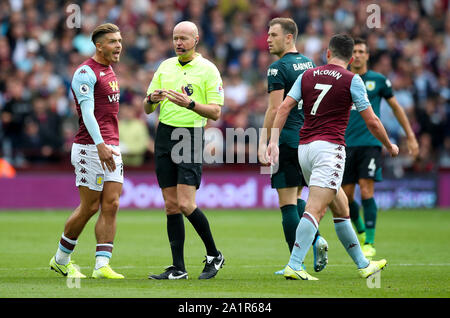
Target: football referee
(188,89)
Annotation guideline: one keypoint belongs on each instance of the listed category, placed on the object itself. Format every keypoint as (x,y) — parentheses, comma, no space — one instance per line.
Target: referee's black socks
(201,225)
(176,233)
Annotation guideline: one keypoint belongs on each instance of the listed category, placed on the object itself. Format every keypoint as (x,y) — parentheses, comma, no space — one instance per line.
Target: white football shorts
(322,163)
(88,168)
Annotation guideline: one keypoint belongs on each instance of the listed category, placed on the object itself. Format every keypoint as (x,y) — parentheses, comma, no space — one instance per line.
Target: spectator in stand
(39,51)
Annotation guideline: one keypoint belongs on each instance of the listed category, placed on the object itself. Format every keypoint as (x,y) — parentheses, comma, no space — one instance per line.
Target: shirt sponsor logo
(114,98)
(272,72)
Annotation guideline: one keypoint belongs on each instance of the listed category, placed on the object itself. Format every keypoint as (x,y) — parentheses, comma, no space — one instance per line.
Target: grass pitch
(415,244)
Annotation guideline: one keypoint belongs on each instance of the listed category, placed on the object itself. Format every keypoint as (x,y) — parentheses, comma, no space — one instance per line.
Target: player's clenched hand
(272,153)
(262,155)
(393,150)
(106,154)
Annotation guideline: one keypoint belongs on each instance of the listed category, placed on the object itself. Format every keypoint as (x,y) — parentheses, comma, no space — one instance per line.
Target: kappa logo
(83,180)
(83,170)
(352,245)
(297,245)
(338,156)
(102,74)
(83,152)
(114,86)
(338,166)
(82,162)
(332,183)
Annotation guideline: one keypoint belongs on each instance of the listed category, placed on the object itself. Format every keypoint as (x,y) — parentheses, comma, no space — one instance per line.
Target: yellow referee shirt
(202,83)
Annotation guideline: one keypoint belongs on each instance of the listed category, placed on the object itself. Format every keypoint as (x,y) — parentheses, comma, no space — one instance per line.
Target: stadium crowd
(41,45)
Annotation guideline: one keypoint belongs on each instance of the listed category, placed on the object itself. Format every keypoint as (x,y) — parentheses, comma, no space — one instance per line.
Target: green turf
(415,243)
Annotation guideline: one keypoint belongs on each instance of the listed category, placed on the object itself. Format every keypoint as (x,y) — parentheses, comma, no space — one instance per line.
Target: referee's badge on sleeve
(220,89)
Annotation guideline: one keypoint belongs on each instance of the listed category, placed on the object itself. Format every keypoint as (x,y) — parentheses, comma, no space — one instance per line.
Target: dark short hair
(361,41)
(103,29)
(341,46)
(287,24)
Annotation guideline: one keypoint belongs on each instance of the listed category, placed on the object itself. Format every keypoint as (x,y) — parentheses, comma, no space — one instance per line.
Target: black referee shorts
(178,161)
(289,173)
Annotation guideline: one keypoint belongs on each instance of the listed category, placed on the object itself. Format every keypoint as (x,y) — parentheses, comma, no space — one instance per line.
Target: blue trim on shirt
(83,83)
(296,89)
(359,93)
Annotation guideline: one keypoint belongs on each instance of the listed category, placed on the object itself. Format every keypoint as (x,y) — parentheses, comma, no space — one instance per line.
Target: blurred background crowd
(40,49)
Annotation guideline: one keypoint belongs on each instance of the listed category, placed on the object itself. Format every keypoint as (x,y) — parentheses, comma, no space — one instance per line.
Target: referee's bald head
(186,27)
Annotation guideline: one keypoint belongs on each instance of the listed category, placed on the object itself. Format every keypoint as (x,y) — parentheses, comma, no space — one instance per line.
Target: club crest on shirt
(370,85)
(114,86)
(189,89)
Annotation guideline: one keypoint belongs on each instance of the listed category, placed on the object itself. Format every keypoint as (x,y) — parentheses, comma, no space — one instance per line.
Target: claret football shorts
(88,168)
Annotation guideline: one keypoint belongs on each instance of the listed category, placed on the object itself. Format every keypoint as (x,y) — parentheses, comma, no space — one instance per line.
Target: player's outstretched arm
(377,129)
(413,145)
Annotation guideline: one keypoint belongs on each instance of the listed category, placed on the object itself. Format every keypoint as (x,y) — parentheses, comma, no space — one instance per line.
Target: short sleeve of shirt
(214,87)
(156,82)
(359,93)
(296,89)
(386,90)
(275,78)
(83,83)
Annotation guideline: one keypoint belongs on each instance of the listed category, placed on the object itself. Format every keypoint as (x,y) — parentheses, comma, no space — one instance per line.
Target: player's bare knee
(111,206)
(89,209)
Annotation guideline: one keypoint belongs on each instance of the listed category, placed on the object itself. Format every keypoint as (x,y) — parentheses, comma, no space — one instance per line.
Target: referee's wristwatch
(191,105)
